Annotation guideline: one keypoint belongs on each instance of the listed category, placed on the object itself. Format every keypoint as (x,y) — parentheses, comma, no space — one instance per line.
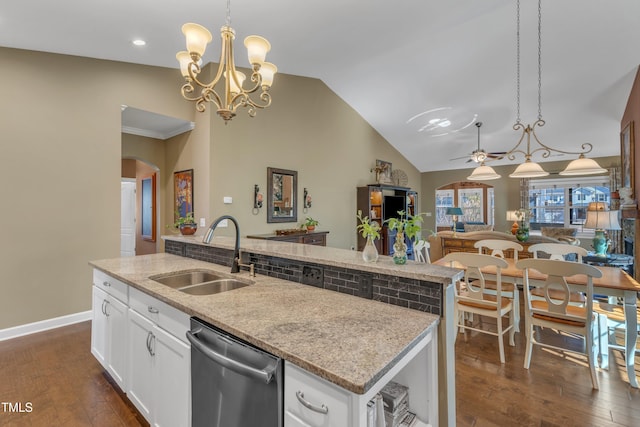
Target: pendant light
(531,169)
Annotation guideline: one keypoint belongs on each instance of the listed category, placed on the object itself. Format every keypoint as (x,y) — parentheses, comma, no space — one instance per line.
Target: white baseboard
(44,325)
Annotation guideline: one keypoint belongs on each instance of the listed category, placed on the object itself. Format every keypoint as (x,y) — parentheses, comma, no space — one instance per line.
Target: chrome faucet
(235,267)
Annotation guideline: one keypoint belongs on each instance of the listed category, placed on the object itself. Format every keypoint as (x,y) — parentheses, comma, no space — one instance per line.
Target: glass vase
(522,234)
(400,250)
(370,252)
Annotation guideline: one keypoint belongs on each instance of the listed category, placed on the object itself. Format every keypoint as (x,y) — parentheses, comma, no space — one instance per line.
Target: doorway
(128,217)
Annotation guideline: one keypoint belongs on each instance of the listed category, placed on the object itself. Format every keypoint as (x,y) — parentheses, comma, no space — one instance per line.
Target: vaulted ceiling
(401,64)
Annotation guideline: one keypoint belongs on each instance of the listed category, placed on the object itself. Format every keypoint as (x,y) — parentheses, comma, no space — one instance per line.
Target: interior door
(128,218)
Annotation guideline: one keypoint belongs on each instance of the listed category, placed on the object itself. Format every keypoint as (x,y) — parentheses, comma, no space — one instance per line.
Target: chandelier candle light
(233,93)
(530,169)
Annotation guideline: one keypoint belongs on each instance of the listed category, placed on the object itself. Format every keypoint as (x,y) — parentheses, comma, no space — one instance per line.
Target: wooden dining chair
(614,323)
(472,298)
(421,251)
(497,247)
(558,314)
(560,252)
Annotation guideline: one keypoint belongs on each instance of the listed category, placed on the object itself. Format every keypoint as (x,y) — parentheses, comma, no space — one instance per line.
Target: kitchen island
(349,341)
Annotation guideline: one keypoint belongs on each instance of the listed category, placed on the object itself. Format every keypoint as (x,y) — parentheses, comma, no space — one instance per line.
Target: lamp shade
(197,38)
(454,211)
(602,220)
(528,169)
(582,166)
(267,71)
(483,173)
(511,216)
(257,48)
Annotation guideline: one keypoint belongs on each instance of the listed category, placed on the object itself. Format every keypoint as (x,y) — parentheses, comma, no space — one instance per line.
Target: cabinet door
(290,420)
(141,375)
(99,334)
(172,376)
(117,328)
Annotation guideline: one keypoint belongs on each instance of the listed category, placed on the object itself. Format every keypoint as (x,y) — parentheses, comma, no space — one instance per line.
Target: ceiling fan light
(583,166)
(483,173)
(528,169)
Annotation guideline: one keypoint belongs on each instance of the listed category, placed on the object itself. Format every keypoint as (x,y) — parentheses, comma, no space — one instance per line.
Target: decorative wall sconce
(306,201)
(257,199)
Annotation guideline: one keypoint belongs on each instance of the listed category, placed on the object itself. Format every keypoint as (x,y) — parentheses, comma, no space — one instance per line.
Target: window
(475,199)
(563,202)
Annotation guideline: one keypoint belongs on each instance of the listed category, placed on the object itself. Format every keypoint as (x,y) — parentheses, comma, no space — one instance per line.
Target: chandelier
(231,94)
(530,169)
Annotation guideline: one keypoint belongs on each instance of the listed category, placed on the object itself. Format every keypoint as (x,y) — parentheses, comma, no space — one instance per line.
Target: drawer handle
(153,310)
(321,410)
(105,283)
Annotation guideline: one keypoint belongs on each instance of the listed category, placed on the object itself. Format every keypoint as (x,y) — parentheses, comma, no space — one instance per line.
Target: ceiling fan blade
(458,158)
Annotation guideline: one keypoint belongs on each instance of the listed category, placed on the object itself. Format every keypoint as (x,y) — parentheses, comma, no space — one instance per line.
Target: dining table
(615,282)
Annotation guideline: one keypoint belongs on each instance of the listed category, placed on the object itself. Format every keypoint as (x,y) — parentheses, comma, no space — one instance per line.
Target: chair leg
(527,352)
(591,358)
(512,331)
(516,308)
(602,339)
(500,339)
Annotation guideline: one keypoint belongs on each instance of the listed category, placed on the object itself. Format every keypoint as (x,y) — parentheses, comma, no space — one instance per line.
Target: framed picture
(182,193)
(627,149)
(383,172)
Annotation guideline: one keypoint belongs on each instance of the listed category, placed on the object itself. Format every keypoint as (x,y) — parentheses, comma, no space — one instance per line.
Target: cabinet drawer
(299,384)
(111,285)
(168,318)
(314,240)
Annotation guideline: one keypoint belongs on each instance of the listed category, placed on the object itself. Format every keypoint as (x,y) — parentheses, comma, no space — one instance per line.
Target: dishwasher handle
(264,375)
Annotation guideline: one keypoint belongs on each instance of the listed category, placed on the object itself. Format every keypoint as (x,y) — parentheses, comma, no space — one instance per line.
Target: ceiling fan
(479,155)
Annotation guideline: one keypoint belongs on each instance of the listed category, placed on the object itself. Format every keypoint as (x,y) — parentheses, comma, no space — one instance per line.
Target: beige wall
(60,174)
(507,190)
(62,148)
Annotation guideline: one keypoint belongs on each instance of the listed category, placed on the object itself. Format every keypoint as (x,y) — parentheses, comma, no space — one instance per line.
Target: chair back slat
(474,280)
(558,251)
(498,246)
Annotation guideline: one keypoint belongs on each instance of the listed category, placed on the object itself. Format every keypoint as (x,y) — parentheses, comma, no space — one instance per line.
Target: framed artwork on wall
(383,172)
(182,193)
(627,150)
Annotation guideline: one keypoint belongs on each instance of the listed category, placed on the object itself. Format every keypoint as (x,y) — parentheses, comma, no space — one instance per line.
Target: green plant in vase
(523,215)
(370,230)
(186,224)
(310,223)
(405,225)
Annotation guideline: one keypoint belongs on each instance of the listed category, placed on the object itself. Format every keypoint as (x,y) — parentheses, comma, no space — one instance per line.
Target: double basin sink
(200,282)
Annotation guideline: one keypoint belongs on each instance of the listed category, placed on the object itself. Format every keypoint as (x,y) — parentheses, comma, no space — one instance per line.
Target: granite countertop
(347,340)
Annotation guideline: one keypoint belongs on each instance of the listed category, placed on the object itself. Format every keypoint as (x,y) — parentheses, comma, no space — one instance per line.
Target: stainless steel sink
(200,282)
(187,278)
(215,287)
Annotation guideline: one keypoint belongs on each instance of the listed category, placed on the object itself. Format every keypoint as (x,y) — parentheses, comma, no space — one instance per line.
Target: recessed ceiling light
(139,42)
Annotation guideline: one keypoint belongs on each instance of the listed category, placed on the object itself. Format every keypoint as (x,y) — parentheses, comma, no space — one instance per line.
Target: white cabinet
(109,328)
(310,401)
(159,362)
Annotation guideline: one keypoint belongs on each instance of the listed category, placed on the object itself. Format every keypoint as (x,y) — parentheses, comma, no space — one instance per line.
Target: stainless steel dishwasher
(233,384)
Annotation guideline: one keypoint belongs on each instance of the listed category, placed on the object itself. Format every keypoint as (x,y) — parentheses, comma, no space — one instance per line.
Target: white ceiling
(391,60)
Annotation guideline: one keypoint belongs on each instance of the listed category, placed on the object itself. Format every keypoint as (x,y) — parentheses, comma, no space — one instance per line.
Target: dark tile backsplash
(415,294)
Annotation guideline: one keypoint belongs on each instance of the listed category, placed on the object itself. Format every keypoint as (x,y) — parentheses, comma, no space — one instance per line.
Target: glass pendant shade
(528,169)
(267,71)
(483,173)
(184,59)
(582,166)
(233,87)
(197,38)
(257,48)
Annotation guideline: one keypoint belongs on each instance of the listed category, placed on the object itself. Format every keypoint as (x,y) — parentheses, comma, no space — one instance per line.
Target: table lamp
(455,212)
(600,218)
(511,216)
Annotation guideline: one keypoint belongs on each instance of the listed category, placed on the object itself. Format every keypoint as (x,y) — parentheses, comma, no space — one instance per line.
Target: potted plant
(523,215)
(186,224)
(310,223)
(370,230)
(404,225)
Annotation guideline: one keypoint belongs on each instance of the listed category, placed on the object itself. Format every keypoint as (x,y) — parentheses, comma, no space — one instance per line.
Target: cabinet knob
(105,283)
(153,310)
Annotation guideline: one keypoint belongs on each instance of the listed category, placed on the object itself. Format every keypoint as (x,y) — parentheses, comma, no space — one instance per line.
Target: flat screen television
(391,206)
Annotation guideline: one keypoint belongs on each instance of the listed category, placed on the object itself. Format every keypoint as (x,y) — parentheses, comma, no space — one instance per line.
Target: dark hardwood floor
(555,391)
(56,373)
(66,386)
